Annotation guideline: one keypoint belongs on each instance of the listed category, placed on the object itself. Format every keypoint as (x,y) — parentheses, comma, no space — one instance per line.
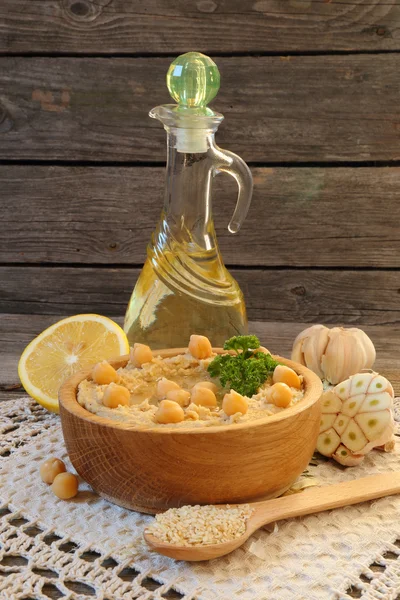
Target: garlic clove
(367,344)
(385,439)
(375,402)
(353,437)
(314,346)
(360,383)
(330,403)
(327,421)
(308,347)
(343,389)
(297,350)
(380,384)
(344,355)
(351,406)
(332,361)
(347,458)
(372,425)
(341,423)
(327,442)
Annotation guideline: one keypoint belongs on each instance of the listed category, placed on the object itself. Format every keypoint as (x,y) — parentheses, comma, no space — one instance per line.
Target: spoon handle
(318,499)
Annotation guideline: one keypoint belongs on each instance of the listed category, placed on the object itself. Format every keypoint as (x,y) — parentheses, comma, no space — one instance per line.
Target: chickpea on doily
(51,468)
(64,485)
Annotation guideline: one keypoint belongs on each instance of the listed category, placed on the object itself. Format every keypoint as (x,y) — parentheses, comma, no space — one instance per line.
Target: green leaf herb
(246,370)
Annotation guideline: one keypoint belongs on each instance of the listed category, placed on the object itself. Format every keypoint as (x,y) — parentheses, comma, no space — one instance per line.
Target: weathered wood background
(310,91)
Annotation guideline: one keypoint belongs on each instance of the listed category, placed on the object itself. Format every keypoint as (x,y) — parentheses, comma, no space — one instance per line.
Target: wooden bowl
(156,469)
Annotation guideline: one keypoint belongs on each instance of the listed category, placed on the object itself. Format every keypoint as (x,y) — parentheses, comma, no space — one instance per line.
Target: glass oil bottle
(184,286)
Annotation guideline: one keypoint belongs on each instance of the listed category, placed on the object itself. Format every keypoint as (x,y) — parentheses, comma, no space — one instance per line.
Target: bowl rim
(68,401)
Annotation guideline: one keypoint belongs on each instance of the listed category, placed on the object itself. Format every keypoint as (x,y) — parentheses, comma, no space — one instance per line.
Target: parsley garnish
(246,370)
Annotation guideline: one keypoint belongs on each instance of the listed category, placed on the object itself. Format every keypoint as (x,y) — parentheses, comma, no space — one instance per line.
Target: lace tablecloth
(46,542)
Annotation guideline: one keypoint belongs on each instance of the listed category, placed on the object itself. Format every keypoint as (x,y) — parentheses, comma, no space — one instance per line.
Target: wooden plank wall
(310,92)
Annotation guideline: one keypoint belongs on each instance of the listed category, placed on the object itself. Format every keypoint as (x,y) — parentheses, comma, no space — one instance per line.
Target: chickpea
(206,384)
(284,374)
(164,386)
(182,397)
(116,395)
(169,412)
(234,403)
(263,349)
(140,354)
(203,396)
(200,346)
(280,394)
(103,373)
(65,486)
(51,468)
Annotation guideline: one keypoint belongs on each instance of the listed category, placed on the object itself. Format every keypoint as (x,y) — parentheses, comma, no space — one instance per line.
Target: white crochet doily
(48,544)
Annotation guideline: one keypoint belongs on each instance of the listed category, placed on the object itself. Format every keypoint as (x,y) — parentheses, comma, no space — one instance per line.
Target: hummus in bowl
(187,372)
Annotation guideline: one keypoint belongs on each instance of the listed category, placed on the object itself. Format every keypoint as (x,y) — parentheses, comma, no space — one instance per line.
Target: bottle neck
(187,201)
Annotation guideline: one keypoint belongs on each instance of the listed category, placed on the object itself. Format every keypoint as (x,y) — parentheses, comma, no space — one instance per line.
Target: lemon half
(66,347)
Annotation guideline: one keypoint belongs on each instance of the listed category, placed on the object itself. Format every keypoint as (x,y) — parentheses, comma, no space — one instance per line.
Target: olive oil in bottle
(184,286)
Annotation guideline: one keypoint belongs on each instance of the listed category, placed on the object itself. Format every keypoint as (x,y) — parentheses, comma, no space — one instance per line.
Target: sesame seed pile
(200,525)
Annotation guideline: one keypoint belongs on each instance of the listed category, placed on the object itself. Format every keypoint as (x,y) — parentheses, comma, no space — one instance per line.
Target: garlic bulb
(334,354)
(357,416)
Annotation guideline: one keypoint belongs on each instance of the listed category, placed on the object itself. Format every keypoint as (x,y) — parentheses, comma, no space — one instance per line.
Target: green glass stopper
(193,80)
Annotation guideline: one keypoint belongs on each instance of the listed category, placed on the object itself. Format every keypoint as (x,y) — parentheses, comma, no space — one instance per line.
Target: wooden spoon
(310,501)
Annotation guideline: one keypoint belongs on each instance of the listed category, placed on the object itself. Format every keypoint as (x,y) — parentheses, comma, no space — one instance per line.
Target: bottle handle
(228,162)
